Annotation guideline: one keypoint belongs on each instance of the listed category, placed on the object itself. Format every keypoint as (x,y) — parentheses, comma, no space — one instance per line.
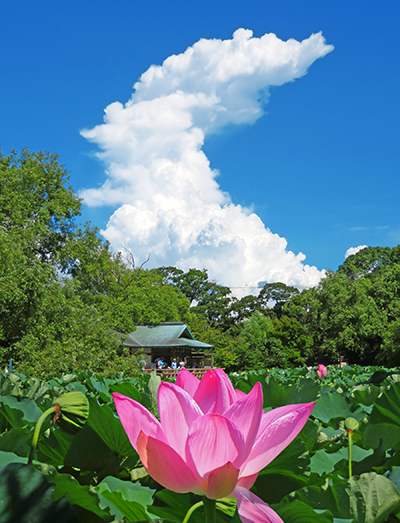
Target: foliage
(225,347)
(353,313)
(95,475)
(123,292)
(36,223)
(216,304)
(36,204)
(146,299)
(65,334)
(209,300)
(257,351)
(275,342)
(277,293)
(62,290)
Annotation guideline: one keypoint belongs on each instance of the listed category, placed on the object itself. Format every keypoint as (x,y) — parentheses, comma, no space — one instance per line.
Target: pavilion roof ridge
(167,334)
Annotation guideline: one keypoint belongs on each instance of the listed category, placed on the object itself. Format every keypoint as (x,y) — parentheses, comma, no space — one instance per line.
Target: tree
(389,355)
(277,342)
(259,349)
(352,320)
(224,345)
(306,308)
(368,260)
(66,335)
(294,338)
(145,300)
(194,283)
(208,300)
(61,288)
(37,206)
(352,313)
(126,294)
(245,307)
(37,212)
(215,306)
(275,295)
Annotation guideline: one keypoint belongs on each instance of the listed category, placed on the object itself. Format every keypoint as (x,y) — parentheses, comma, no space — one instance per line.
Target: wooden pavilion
(168,341)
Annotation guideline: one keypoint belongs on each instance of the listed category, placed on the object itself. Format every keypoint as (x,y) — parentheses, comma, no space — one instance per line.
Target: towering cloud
(169,203)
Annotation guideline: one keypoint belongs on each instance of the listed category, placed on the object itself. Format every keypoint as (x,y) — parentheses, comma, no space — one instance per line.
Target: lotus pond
(94,474)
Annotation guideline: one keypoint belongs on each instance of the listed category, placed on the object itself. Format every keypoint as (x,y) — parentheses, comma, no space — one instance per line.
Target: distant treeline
(63,292)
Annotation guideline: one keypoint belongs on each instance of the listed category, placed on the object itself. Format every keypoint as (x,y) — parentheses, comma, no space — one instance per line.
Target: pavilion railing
(173,373)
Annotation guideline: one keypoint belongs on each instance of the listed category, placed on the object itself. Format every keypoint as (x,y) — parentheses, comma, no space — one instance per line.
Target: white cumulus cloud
(354,250)
(169,203)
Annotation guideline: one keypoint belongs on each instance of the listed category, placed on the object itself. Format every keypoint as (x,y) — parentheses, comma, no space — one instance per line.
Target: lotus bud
(351,425)
(321,371)
(72,411)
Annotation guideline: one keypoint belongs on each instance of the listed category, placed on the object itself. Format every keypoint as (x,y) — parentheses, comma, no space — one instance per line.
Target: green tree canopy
(353,312)
(209,300)
(37,212)
(62,290)
(275,295)
(38,208)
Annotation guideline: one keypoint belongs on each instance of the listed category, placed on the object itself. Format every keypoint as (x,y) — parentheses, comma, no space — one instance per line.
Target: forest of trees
(63,292)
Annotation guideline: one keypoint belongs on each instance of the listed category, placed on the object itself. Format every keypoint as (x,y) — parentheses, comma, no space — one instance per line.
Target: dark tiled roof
(164,335)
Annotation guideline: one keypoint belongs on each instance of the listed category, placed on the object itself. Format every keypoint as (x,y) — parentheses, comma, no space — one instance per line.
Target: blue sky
(318,166)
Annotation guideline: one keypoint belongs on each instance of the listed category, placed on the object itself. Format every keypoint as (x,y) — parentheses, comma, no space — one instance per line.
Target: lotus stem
(350,444)
(210,510)
(36,434)
(191,510)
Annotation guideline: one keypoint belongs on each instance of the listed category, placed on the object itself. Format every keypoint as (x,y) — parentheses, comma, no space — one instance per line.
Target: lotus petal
(177,411)
(239,394)
(248,481)
(246,414)
(252,509)
(215,392)
(322,371)
(278,428)
(212,442)
(135,417)
(167,467)
(222,481)
(187,381)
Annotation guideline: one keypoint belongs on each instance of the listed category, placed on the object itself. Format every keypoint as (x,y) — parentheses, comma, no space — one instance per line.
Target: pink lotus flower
(322,371)
(211,439)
